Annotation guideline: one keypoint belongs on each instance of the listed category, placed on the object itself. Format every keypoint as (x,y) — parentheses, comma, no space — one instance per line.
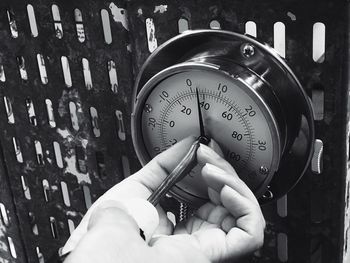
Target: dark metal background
(317,207)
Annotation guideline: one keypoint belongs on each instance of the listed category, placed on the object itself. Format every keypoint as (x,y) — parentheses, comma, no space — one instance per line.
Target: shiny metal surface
(258,66)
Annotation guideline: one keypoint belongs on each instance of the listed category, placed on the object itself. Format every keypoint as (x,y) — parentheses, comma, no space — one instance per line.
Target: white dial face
(232,117)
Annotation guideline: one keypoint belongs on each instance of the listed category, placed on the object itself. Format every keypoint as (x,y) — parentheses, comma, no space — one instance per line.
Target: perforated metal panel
(66,76)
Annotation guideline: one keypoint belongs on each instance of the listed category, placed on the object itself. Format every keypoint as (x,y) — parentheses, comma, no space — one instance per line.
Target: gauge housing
(264,74)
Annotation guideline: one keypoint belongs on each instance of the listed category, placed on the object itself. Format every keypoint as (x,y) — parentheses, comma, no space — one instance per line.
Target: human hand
(233,216)
(231,224)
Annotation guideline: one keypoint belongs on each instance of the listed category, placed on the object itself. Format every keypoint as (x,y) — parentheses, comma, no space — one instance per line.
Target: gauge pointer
(203,137)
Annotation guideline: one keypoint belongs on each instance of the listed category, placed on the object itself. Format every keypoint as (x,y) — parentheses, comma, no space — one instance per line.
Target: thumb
(112,214)
(111,230)
(135,213)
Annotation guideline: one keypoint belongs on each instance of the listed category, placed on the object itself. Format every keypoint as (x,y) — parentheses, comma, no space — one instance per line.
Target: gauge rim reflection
(236,82)
(271,69)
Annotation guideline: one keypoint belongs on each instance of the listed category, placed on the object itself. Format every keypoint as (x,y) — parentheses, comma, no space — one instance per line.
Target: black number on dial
(152,122)
(227,115)
(204,105)
(250,111)
(262,145)
(222,88)
(164,95)
(186,110)
(237,136)
(233,156)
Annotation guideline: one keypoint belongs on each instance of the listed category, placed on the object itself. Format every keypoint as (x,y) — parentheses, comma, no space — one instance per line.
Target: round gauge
(239,108)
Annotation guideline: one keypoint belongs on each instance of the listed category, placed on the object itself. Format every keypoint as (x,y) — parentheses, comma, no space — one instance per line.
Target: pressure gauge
(251,103)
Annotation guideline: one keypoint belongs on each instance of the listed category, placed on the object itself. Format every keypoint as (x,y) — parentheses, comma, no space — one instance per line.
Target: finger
(216,178)
(214,196)
(207,155)
(113,215)
(204,211)
(248,235)
(228,223)
(152,174)
(217,215)
(165,226)
(216,147)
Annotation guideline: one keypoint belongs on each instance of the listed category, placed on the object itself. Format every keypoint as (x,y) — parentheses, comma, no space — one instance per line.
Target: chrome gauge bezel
(136,120)
(276,81)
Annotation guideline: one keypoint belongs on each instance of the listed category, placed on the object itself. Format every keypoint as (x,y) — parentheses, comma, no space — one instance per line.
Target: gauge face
(234,116)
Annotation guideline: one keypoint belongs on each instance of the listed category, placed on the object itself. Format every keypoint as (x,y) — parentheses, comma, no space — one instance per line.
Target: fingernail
(207,150)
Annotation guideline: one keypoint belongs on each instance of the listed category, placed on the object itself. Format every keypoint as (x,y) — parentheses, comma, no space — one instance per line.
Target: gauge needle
(201,123)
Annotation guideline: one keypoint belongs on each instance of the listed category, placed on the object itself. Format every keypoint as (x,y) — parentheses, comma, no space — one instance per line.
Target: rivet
(263,170)
(148,108)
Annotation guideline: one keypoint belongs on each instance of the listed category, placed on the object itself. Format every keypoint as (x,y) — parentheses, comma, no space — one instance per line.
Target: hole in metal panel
(250,28)
(106,25)
(215,24)
(121,127)
(39,255)
(73,115)
(291,16)
(87,196)
(126,166)
(39,152)
(151,38)
(66,71)
(17,149)
(9,111)
(65,194)
(282,206)
(12,247)
(50,114)
(171,217)
(101,166)
(12,23)
(347,198)
(31,112)
(46,190)
(81,159)
(53,226)
(282,247)
(71,226)
(25,188)
(2,74)
(347,238)
(79,25)
(318,102)
(32,20)
(318,42)
(4,216)
(58,154)
(113,77)
(279,38)
(22,68)
(57,21)
(34,226)
(182,25)
(42,69)
(87,74)
(94,122)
